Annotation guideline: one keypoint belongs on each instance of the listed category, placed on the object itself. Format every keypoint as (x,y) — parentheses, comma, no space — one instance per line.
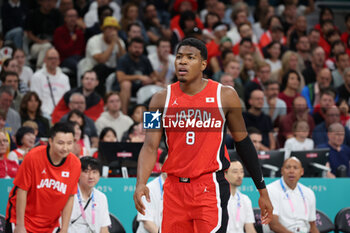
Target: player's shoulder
(158,99)
(36,153)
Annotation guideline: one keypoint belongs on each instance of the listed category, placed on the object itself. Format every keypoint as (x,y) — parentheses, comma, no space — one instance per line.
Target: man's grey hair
(75,94)
(7,89)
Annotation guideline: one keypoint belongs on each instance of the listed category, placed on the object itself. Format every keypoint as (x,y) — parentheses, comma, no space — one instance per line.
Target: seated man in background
(90,209)
(240,211)
(339,154)
(94,102)
(294,204)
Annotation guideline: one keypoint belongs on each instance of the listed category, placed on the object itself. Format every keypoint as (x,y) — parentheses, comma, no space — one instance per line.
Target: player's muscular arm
(148,155)
(66,214)
(21,203)
(276,226)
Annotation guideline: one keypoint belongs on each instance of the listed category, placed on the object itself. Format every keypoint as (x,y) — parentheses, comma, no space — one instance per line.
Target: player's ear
(204,65)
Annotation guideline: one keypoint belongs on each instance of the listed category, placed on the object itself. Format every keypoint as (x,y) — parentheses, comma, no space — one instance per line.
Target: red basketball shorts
(195,205)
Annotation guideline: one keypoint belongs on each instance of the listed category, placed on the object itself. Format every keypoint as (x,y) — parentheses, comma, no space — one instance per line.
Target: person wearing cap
(294,204)
(69,41)
(103,51)
(25,139)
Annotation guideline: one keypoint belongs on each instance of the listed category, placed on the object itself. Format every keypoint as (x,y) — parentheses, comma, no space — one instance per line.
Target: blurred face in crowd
(246,48)
(299,105)
(318,57)
(301,24)
(264,73)
(5,101)
(227,45)
(326,27)
(293,81)
(292,171)
(77,132)
(139,134)
(52,59)
(185,6)
(272,91)
(113,103)
(89,178)
(164,49)
(241,18)
(245,31)
(277,35)
(314,37)
(248,62)
(20,57)
(301,130)
(293,62)
(150,12)
(303,44)
(256,140)
(108,33)
(77,102)
(61,145)
(234,174)
(133,13)
(275,50)
(257,99)
(343,61)
(211,20)
(28,140)
(90,81)
(332,115)
(109,137)
(12,81)
(3,144)
(336,135)
(137,115)
(71,18)
(136,50)
(324,78)
(343,107)
(33,104)
(227,80)
(326,101)
(76,118)
(220,9)
(12,66)
(135,31)
(232,69)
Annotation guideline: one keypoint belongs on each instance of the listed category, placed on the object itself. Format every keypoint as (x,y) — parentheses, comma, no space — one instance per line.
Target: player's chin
(182,79)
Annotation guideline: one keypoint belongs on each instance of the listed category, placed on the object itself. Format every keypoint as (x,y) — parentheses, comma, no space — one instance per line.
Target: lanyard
(290,201)
(92,206)
(161,186)
(238,213)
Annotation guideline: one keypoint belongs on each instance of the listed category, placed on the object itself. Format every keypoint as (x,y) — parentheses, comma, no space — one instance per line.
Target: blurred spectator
(80,149)
(290,88)
(4,127)
(312,92)
(187,21)
(326,101)
(163,62)
(30,109)
(300,113)
(25,139)
(256,137)
(337,47)
(303,50)
(274,33)
(25,72)
(344,112)
(40,27)
(103,12)
(342,62)
(8,168)
(11,79)
(90,199)
(238,17)
(283,193)
(134,71)
(345,35)
(9,65)
(339,154)
(12,117)
(273,58)
(219,30)
(113,116)
(34,126)
(248,69)
(107,134)
(240,211)
(318,58)
(93,101)
(13,14)
(319,134)
(255,117)
(245,31)
(69,42)
(155,29)
(137,113)
(260,25)
(130,14)
(77,106)
(326,13)
(49,82)
(300,141)
(231,69)
(225,53)
(273,105)
(103,52)
(92,17)
(344,90)
(136,133)
(299,30)
(229,80)
(314,38)
(210,20)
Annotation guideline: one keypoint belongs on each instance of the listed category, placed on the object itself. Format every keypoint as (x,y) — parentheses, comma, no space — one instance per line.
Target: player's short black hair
(198,44)
(61,127)
(92,163)
(20,134)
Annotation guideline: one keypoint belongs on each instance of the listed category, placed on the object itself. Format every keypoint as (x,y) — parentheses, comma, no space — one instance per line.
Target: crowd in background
(97,63)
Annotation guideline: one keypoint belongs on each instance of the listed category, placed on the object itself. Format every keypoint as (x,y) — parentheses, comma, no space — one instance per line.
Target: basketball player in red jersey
(195,113)
(45,185)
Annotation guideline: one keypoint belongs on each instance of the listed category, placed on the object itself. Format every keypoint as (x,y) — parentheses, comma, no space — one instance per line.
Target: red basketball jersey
(48,186)
(195,129)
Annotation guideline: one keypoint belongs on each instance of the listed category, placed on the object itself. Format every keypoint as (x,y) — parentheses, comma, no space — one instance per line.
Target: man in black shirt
(40,27)
(134,71)
(318,58)
(344,90)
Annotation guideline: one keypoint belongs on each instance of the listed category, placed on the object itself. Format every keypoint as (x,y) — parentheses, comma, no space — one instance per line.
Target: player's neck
(193,87)
(233,189)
